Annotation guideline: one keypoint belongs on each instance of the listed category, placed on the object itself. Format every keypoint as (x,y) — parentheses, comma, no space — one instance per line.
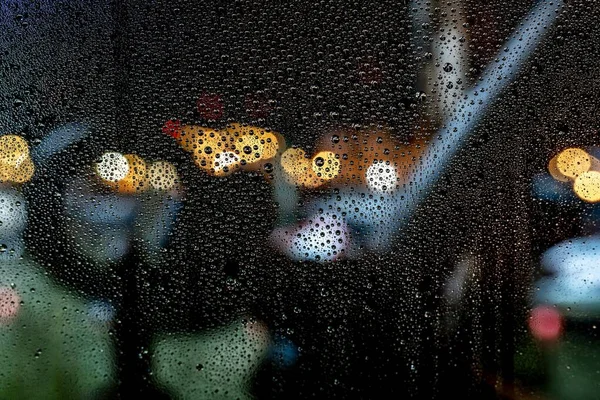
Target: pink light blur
(545,323)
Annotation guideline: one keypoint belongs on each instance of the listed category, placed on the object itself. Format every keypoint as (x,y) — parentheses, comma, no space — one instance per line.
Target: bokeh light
(225,163)
(326,165)
(298,169)
(222,152)
(382,177)
(16,164)
(13,149)
(572,162)
(136,178)
(555,172)
(321,239)
(545,323)
(587,186)
(210,106)
(162,175)
(197,138)
(253,143)
(112,167)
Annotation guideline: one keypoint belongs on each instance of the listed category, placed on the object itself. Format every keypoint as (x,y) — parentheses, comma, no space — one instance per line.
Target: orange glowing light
(136,178)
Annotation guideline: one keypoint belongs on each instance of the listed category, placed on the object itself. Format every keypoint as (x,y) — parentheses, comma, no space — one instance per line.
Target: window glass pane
(262,199)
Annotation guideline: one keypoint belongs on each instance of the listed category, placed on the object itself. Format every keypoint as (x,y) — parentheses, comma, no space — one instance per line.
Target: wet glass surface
(254,199)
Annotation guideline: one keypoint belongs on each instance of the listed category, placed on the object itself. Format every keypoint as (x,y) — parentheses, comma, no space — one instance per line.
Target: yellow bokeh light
(326,165)
(298,169)
(249,148)
(220,152)
(270,145)
(206,150)
(573,162)
(15,162)
(162,175)
(24,172)
(293,161)
(136,178)
(554,171)
(193,136)
(587,186)
(13,150)
(253,144)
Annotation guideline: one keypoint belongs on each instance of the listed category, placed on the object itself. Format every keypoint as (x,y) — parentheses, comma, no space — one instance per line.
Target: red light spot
(210,106)
(172,128)
(545,323)
(257,105)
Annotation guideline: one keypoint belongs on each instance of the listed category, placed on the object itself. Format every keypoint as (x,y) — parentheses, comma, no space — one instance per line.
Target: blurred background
(249,199)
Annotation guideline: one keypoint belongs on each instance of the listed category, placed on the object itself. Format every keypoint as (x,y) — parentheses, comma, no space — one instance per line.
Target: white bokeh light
(382,177)
(226,159)
(112,167)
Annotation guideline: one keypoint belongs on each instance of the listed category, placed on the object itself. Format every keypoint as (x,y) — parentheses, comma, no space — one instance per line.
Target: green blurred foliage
(217,364)
(574,368)
(53,348)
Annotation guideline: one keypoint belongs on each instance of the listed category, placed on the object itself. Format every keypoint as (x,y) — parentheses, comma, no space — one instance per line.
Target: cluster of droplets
(369,158)
(581,169)
(360,157)
(130,174)
(221,152)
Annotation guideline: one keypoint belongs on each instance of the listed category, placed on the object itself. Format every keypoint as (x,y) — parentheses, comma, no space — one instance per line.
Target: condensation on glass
(261,199)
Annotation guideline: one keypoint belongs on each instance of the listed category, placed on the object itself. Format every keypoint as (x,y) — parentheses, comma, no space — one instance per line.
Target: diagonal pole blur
(471,109)
(362,209)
